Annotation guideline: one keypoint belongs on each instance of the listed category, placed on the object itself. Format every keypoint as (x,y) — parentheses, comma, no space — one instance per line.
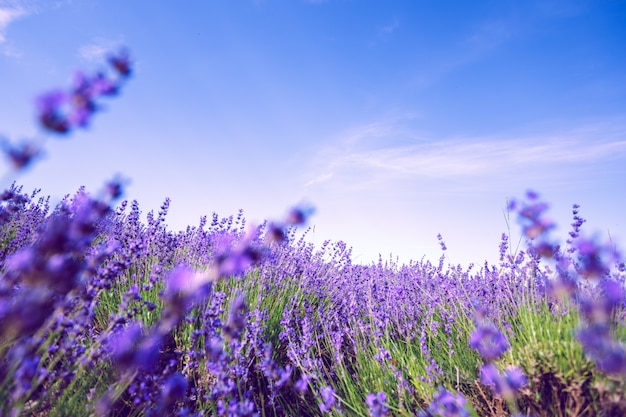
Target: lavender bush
(104,314)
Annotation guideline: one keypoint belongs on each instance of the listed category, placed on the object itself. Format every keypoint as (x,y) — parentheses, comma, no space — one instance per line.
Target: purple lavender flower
(532,216)
(576,225)
(25,374)
(446,404)
(82,99)
(276,232)
(298,215)
(601,310)
(101,85)
(282,375)
(490,376)
(613,360)
(595,259)
(607,354)
(131,349)
(480,312)
(236,408)
(174,389)
(148,351)
(121,63)
(506,385)
(515,378)
(51,115)
(613,295)
(377,404)
(21,155)
(489,341)
(441,242)
(236,317)
(302,384)
(123,345)
(563,287)
(60,111)
(594,338)
(183,287)
(504,245)
(215,349)
(114,189)
(328,399)
(237,260)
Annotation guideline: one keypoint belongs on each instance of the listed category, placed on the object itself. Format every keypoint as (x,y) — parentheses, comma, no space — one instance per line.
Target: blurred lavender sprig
(590,259)
(60,111)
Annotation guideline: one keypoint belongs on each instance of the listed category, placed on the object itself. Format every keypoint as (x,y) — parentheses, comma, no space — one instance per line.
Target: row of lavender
(103,314)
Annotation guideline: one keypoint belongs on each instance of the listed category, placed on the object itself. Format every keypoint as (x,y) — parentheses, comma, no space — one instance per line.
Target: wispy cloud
(8,14)
(389,27)
(490,35)
(362,156)
(472,46)
(12,10)
(98,48)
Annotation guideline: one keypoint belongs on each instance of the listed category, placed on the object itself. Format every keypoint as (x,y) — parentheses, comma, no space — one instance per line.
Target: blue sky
(398,120)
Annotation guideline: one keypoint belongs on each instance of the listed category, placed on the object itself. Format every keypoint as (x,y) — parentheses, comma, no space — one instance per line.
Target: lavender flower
(377,404)
(489,341)
(123,345)
(60,111)
(174,389)
(576,225)
(563,287)
(235,408)
(25,374)
(51,113)
(441,242)
(131,349)
(183,287)
(515,378)
(21,156)
(446,404)
(600,310)
(607,354)
(237,259)
(531,214)
(535,224)
(504,245)
(328,399)
(121,63)
(506,385)
(302,384)
(237,317)
(595,259)
(299,214)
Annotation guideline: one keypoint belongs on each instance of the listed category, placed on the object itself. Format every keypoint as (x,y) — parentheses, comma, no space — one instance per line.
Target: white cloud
(11,10)
(323,177)
(7,16)
(378,153)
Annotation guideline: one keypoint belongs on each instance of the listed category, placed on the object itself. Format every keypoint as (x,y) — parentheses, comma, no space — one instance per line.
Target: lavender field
(103,313)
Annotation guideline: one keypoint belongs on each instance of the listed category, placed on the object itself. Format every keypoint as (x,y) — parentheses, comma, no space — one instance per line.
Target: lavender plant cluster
(103,313)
